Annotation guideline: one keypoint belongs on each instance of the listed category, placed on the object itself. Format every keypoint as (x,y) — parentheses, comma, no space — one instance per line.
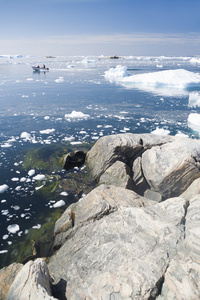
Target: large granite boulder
(31,282)
(7,276)
(164,165)
(98,203)
(127,252)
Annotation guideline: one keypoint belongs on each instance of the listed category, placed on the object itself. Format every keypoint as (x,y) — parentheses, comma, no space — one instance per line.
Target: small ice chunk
(47,131)
(64,194)
(13,228)
(38,226)
(15,179)
(31,172)
(5,236)
(3,188)
(46,117)
(59,203)
(77,115)
(160,131)
(39,187)
(25,136)
(39,177)
(23,179)
(59,80)
(194,121)
(3,251)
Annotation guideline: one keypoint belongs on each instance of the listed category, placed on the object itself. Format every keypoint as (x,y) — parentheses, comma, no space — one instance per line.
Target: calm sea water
(36,117)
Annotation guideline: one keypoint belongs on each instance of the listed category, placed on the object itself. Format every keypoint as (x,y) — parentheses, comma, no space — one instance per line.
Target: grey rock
(182,277)
(98,203)
(123,255)
(163,164)
(119,174)
(123,147)
(7,276)
(32,282)
(192,190)
(171,168)
(155,196)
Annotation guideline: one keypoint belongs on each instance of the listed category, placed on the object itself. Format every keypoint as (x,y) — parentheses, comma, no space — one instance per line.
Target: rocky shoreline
(135,236)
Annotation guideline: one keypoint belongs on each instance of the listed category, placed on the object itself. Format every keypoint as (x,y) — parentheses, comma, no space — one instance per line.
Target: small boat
(38,68)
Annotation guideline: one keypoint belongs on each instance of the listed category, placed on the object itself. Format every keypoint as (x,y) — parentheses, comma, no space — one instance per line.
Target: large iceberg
(167,82)
(194,122)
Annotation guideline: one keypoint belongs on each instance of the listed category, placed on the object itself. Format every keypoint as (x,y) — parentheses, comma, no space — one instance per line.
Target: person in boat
(43,66)
(38,66)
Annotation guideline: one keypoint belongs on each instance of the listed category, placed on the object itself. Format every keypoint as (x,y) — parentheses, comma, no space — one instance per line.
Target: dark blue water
(32,102)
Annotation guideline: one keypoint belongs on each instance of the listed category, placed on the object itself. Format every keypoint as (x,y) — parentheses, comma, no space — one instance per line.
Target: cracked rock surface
(163,164)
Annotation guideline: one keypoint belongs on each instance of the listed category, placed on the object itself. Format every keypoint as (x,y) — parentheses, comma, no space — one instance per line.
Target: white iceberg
(77,115)
(114,74)
(167,82)
(194,121)
(194,99)
(3,188)
(59,203)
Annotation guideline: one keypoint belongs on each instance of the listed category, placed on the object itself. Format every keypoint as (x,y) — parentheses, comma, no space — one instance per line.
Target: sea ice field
(76,102)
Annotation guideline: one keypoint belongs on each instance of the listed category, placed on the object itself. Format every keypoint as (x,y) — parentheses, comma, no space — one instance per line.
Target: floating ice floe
(64,194)
(13,228)
(3,188)
(47,131)
(59,80)
(31,172)
(160,131)
(167,82)
(76,115)
(3,251)
(194,121)
(194,99)
(59,203)
(114,74)
(39,177)
(6,145)
(38,226)
(15,179)
(25,136)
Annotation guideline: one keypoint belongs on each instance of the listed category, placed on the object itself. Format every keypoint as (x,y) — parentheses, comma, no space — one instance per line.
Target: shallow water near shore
(46,114)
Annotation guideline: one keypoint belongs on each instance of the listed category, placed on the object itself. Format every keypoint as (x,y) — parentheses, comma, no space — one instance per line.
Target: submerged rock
(74,159)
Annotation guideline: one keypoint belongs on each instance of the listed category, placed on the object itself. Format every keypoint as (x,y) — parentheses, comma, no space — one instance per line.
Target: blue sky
(95,27)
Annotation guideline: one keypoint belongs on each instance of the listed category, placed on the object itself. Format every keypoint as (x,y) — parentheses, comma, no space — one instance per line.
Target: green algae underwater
(36,241)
